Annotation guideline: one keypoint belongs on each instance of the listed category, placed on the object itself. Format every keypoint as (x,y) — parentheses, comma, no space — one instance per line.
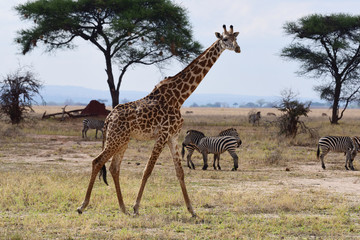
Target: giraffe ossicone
(156,116)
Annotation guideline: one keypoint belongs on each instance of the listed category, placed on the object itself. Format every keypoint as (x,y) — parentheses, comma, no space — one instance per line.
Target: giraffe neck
(175,90)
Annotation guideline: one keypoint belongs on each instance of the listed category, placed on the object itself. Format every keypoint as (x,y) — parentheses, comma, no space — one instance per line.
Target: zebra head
(193,137)
(228,39)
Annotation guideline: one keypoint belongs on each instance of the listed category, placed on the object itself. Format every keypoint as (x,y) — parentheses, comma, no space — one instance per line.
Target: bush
(17,92)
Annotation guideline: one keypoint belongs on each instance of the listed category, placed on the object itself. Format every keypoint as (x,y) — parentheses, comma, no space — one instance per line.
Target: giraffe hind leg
(97,164)
(115,172)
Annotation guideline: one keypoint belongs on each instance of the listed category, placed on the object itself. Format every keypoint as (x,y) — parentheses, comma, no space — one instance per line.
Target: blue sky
(257,70)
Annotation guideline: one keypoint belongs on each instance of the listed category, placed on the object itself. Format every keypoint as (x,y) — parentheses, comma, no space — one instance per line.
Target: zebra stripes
(193,138)
(92,124)
(190,142)
(218,145)
(231,132)
(347,145)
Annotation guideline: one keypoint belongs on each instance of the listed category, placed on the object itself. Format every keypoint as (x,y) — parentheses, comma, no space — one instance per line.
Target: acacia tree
(17,92)
(328,47)
(127,32)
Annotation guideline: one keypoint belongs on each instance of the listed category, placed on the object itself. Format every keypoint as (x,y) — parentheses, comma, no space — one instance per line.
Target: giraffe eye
(225,39)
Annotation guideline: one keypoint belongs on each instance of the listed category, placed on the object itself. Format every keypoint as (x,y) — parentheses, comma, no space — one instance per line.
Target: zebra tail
(183,151)
(318,152)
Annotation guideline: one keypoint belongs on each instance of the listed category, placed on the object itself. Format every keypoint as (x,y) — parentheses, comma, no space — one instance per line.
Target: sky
(258,70)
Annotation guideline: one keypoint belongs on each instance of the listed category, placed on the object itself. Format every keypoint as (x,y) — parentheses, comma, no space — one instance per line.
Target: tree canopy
(127,32)
(328,48)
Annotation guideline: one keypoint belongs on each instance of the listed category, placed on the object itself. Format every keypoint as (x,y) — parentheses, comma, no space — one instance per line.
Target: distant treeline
(257,104)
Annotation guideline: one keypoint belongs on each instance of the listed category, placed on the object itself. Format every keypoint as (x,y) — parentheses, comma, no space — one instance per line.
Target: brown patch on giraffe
(198,79)
(185,88)
(176,93)
(197,70)
(202,63)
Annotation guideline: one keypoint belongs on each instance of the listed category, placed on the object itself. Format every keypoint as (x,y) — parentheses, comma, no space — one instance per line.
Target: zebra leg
(205,155)
(96,133)
(218,162)
(190,163)
(322,155)
(347,160)
(215,156)
(236,158)
(353,155)
(85,132)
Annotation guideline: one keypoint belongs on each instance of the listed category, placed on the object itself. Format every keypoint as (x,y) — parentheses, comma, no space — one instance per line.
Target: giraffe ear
(236,34)
(218,35)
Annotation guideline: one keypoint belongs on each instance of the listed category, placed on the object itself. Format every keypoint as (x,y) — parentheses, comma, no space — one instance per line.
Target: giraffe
(156,116)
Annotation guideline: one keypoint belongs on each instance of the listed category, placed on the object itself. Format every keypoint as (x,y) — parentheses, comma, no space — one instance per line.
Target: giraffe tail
(102,172)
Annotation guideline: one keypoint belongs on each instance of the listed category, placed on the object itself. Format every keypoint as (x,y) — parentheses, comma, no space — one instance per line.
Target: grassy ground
(279,191)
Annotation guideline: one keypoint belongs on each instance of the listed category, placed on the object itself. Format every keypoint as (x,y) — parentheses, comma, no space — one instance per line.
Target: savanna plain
(280,190)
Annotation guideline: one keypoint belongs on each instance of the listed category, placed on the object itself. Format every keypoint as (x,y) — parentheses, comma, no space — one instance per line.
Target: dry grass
(279,191)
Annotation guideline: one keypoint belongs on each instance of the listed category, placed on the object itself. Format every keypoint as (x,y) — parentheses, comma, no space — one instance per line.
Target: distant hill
(72,95)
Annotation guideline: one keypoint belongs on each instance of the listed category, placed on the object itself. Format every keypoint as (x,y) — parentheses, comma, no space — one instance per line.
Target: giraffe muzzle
(237,49)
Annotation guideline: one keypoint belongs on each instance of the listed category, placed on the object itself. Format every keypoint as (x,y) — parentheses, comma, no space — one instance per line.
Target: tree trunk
(335,106)
(114,93)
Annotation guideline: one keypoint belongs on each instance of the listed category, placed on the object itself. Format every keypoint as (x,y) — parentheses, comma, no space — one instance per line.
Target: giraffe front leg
(97,164)
(159,145)
(180,173)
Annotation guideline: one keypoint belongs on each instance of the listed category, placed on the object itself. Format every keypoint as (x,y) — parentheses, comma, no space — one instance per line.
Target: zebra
(215,145)
(195,136)
(345,144)
(255,117)
(92,124)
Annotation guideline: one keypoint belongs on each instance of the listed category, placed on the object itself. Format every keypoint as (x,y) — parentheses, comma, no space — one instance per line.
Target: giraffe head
(228,39)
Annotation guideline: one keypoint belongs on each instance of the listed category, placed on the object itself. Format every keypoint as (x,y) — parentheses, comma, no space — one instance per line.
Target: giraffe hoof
(79,211)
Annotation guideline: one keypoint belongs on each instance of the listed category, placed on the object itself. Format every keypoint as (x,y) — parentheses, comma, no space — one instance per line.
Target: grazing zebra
(194,136)
(218,145)
(92,124)
(347,145)
(215,145)
(255,117)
